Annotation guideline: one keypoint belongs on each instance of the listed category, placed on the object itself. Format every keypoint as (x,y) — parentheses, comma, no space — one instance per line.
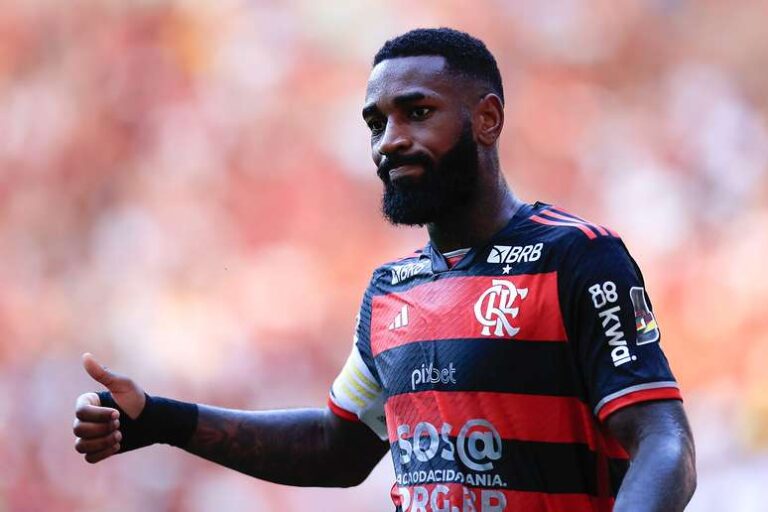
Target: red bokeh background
(186,191)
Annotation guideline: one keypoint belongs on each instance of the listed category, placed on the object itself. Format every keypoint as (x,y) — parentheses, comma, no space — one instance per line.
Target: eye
(420,112)
(376,125)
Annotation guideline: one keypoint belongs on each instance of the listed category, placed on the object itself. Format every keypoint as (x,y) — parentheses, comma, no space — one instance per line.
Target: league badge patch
(645,322)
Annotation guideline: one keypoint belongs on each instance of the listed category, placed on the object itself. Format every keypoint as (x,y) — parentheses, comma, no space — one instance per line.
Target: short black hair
(463,53)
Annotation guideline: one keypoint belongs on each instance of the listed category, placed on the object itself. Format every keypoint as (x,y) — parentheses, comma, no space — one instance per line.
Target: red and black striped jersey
(491,377)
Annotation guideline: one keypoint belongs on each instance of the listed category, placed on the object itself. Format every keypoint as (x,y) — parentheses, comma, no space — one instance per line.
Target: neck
(475,223)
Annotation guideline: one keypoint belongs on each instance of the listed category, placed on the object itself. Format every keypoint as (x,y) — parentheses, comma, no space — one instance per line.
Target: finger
(97,445)
(92,413)
(88,399)
(93,458)
(102,374)
(89,430)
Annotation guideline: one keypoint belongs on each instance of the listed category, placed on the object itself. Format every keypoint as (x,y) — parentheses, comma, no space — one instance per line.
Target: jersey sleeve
(356,394)
(611,324)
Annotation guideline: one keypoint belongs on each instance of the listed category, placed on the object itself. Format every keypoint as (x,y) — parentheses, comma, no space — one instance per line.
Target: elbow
(682,450)
(692,488)
(690,471)
(687,461)
(352,481)
(672,459)
(354,477)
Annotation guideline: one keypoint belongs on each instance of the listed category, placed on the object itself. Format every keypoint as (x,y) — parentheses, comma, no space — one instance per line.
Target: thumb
(101,374)
(126,393)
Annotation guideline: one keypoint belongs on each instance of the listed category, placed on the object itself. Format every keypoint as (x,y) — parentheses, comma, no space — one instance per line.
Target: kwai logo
(606,294)
(429,374)
(495,308)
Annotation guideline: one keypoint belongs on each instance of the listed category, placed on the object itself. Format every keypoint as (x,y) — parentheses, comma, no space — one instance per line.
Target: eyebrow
(400,100)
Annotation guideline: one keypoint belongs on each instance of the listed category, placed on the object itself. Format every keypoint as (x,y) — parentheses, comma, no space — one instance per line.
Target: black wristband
(162,421)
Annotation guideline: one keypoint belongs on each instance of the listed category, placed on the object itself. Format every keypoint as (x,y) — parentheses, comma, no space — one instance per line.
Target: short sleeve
(612,327)
(356,394)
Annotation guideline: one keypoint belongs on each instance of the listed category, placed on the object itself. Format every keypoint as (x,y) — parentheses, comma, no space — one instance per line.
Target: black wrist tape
(162,421)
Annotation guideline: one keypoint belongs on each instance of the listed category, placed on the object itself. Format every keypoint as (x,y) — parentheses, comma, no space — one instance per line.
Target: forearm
(294,447)
(661,477)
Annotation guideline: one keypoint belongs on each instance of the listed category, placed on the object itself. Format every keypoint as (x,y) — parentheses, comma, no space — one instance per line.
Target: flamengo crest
(495,308)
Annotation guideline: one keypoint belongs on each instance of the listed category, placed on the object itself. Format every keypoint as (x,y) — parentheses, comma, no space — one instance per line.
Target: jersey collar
(439,263)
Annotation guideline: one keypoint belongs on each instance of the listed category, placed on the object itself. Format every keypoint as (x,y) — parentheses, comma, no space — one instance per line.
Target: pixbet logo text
(429,374)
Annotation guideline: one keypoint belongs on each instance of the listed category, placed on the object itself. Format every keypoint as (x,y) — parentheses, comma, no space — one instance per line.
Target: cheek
(439,136)
(437,146)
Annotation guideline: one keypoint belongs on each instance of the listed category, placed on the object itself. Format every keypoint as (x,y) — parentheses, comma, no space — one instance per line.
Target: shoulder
(573,235)
(398,268)
(562,225)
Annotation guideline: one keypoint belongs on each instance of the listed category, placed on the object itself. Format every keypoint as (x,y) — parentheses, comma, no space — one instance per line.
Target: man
(513,364)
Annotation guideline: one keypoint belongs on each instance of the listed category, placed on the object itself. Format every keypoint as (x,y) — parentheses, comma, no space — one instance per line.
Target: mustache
(394,161)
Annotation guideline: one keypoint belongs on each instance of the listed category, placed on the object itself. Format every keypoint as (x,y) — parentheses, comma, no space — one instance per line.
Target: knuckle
(79,448)
(82,430)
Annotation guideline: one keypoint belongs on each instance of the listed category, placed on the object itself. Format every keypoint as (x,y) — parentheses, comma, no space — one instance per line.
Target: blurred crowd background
(186,191)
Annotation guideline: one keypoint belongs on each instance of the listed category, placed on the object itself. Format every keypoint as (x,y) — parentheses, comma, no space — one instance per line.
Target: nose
(395,139)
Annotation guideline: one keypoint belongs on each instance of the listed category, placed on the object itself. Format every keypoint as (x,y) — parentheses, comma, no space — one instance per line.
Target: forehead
(393,77)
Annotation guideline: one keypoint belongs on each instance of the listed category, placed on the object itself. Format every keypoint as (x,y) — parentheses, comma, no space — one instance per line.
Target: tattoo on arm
(303,447)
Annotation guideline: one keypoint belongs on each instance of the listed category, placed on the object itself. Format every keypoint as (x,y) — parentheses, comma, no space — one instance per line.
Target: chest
(464,330)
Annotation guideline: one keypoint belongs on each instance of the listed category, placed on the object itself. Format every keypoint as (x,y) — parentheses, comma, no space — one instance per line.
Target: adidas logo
(401,319)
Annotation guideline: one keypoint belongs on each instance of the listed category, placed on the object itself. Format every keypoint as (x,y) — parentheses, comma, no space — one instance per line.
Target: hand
(96,427)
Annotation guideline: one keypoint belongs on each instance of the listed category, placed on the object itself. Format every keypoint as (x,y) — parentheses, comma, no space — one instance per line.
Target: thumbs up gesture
(96,427)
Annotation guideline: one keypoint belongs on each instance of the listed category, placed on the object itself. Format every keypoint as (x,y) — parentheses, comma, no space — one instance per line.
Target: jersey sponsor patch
(401,273)
(431,374)
(515,253)
(645,322)
(604,298)
(464,497)
(509,413)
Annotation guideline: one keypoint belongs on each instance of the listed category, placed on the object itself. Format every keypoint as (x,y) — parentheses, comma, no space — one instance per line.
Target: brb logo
(495,308)
(516,254)
(477,445)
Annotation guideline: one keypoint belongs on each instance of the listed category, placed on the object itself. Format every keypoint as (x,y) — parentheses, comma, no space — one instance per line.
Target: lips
(408,170)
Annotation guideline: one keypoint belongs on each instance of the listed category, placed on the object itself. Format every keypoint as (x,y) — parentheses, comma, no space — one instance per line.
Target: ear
(488,119)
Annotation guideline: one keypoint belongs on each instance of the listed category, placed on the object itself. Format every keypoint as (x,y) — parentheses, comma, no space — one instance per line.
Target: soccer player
(512,364)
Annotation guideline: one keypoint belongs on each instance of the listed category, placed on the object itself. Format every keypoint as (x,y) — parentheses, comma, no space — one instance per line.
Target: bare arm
(662,472)
(303,447)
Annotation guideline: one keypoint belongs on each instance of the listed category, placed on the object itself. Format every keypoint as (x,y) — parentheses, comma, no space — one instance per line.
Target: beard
(444,186)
